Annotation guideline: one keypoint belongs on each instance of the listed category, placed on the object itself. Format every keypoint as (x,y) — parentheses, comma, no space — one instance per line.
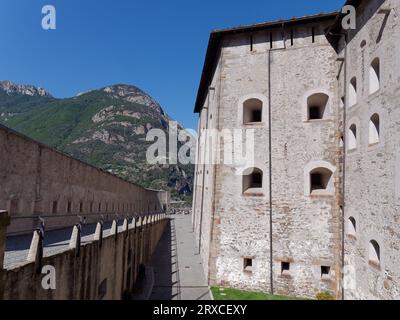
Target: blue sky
(158,46)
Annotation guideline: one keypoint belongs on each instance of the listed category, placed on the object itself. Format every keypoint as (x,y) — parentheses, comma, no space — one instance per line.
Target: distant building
(324,106)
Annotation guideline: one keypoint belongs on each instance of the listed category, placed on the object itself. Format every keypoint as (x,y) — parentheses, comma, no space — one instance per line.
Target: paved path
(56,241)
(178,271)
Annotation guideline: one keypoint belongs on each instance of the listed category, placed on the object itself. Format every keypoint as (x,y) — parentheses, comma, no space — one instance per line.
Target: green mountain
(106,128)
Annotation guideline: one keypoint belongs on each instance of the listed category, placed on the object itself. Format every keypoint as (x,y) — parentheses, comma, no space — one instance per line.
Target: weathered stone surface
(37,180)
(306,228)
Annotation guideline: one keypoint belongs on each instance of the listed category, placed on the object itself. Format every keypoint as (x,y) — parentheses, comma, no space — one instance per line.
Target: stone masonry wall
(306,230)
(103,270)
(37,180)
(372,195)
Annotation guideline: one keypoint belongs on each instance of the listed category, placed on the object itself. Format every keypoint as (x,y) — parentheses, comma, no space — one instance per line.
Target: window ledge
(374,94)
(253,124)
(252,193)
(326,278)
(323,193)
(374,144)
(248,270)
(374,264)
(317,120)
(286,274)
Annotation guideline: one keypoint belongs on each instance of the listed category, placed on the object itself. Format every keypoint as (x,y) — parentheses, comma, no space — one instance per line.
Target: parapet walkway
(55,241)
(178,271)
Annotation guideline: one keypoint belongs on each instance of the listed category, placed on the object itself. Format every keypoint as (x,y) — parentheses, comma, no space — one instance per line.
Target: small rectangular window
(248,264)
(251,43)
(91,206)
(325,272)
(69,207)
(285,268)
(99,206)
(80,207)
(54,206)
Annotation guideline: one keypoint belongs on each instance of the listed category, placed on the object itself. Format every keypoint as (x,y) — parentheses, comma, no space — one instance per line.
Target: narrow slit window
(270,40)
(54,206)
(291,37)
(313,34)
(251,43)
(69,207)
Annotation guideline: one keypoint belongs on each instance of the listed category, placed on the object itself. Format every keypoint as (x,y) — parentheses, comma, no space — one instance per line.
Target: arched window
(252,111)
(374,129)
(352,137)
(316,106)
(353,92)
(374,76)
(321,181)
(252,179)
(374,252)
(351,226)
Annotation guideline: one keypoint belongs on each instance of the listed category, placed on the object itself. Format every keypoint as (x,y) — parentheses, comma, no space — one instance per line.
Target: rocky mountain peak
(18,89)
(134,95)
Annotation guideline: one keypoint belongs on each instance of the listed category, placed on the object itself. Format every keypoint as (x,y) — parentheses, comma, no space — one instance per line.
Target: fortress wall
(37,180)
(306,230)
(106,270)
(372,194)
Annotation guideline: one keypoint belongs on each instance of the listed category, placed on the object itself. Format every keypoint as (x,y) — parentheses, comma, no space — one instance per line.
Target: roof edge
(216,35)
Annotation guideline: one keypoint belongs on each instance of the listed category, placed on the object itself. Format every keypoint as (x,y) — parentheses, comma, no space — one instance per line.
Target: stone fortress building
(319,209)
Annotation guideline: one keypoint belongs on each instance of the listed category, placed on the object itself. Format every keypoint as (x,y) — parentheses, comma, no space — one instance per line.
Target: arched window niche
(351,227)
(353,92)
(319,178)
(374,253)
(374,129)
(317,106)
(352,137)
(252,111)
(252,181)
(374,76)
